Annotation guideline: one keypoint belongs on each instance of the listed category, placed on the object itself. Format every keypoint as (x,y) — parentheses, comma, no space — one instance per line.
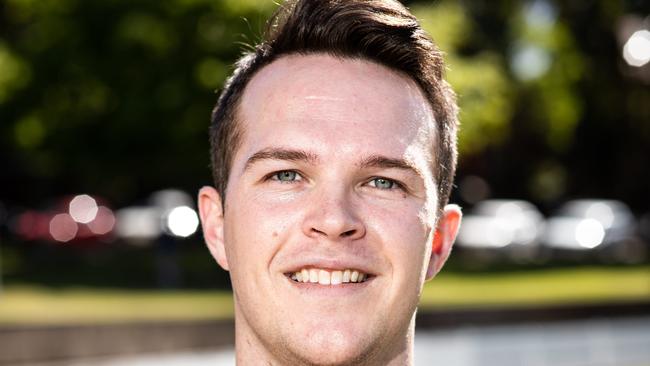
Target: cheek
(400,229)
(403,239)
(256,227)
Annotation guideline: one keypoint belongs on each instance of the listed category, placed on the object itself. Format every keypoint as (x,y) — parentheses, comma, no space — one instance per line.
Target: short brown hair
(383,31)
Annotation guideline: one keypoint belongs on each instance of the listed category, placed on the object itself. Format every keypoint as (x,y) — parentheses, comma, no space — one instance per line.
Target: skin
(333,172)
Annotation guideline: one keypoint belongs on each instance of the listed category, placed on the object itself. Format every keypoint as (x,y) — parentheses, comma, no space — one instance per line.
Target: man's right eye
(286,176)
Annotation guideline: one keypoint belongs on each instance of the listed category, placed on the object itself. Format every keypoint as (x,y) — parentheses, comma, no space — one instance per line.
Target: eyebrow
(282,154)
(380,161)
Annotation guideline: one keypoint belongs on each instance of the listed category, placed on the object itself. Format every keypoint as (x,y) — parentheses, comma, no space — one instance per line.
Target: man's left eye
(383,183)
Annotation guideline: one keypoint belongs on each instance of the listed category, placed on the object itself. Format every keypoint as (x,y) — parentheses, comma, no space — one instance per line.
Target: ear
(211,212)
(443,239)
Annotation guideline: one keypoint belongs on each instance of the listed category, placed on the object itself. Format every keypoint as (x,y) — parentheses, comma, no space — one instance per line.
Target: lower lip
(342,289)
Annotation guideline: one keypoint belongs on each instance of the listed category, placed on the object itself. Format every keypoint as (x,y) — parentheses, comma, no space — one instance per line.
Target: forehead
(342,102)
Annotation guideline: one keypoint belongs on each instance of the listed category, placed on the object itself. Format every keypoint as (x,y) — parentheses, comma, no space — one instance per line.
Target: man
(333,150)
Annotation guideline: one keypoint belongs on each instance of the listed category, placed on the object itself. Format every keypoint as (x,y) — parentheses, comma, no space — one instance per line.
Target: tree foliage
(113,97)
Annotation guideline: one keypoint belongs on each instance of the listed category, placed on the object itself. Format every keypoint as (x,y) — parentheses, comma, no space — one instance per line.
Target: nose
(333,216)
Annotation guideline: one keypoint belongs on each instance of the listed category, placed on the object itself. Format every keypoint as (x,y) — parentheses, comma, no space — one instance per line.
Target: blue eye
(383,183)
(286,176)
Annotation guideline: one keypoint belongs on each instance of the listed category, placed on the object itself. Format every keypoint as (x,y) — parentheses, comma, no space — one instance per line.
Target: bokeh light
(63,227)
(530,61)
(83,209)
(636,50)
(602,213)
(138,223)
(104,221)
(182,221)
(589,233)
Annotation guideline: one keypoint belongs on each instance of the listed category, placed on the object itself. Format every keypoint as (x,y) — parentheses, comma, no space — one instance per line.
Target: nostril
(317,231)
(348,233)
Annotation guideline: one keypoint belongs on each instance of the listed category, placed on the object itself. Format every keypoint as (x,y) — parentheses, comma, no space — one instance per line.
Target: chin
(333,347)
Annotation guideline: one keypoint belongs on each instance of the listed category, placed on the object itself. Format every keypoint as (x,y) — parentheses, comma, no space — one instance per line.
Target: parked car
(501,228)
(586,229)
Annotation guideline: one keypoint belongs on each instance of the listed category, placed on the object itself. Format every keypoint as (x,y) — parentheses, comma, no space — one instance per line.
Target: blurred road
(621,342)
(601,342)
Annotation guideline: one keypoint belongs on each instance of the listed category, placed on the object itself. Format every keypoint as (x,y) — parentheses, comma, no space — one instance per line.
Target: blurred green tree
(113,97)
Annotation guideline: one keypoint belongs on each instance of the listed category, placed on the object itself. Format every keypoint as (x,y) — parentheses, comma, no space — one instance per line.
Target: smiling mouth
(328,277)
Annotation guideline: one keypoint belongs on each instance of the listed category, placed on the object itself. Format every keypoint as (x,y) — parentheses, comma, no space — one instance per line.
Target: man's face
(332,178)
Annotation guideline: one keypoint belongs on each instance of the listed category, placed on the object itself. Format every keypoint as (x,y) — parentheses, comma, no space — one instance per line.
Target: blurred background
(104,113)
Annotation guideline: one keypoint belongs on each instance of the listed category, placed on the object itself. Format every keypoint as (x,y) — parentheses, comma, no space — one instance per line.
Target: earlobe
(443,239)
(212,221)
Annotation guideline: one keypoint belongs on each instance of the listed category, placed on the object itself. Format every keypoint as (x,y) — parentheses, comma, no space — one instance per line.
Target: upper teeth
(325,277)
